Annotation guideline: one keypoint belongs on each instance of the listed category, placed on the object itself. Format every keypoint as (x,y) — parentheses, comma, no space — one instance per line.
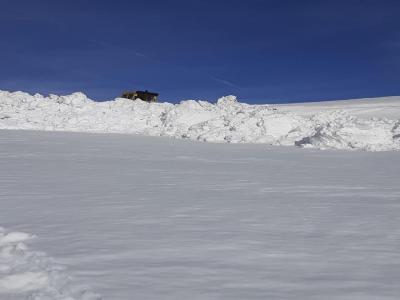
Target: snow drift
(226,121)
(26,273)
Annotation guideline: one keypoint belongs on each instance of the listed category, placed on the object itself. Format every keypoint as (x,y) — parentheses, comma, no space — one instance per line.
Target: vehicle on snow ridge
(142,95)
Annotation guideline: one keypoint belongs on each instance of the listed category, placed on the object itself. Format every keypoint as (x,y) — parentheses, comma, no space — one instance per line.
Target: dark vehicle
(142,95)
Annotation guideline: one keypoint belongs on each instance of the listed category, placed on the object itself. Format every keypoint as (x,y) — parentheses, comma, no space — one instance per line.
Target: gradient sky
(261,51)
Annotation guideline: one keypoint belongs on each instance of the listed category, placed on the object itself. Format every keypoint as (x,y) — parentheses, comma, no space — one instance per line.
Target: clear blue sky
(261,51)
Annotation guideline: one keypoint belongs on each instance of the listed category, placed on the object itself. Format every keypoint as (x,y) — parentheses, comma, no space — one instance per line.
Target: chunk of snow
(14,237)
(32,274)
(24,282)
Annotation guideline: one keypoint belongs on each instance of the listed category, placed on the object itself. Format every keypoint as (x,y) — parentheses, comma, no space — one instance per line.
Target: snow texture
(136,217)
(373,127)
(27,274)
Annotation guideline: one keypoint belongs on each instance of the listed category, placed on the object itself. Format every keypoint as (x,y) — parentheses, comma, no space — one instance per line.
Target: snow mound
(33,275)
(226,121)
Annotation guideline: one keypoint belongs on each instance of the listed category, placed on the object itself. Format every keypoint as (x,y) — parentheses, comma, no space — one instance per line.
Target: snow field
(226,121)
(27,274)
(137,217)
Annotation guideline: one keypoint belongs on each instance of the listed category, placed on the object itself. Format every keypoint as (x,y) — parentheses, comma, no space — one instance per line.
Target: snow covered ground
(383,107)
(372,125)
(130,217)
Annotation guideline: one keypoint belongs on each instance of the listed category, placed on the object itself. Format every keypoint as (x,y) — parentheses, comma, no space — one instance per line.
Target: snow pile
(226,121)
(33,275)
(339,130)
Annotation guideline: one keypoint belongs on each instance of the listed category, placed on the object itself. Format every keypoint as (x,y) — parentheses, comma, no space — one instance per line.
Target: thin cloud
(224,82)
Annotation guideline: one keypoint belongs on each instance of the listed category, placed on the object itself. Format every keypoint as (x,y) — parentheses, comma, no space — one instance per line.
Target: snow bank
(33,275)
(226,121)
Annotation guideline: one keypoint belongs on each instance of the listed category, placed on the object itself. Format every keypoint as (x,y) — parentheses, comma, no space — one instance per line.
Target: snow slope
(383,107)
(372,125)
(136,217)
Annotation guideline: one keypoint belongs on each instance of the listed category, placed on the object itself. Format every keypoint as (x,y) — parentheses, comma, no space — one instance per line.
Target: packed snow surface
(372,125)
(133,217)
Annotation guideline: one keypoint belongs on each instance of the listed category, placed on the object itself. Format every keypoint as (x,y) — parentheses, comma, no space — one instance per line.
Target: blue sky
(261,51)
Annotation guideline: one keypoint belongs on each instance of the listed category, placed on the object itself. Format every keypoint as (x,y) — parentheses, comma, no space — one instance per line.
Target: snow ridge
(226,121)
(26,274)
